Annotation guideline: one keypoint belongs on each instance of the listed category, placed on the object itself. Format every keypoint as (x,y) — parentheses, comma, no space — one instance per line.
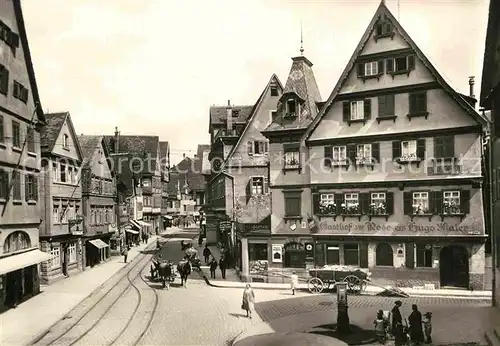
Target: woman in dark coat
(396,316)
(415,321)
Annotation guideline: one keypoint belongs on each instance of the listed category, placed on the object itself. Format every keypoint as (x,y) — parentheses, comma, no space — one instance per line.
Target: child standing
(294,282)
(428,327)
(380,327)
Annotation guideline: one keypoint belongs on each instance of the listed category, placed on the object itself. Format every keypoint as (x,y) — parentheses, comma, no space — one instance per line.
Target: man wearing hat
(396,315)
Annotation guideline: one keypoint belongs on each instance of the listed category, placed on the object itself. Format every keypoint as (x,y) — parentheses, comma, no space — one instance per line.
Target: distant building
(165,177)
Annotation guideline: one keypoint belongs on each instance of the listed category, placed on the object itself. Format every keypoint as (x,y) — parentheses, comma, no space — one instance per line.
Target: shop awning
(135,224)
(131,231)
(144,224)
(22,260)
(98,243)
(168,217)
(196,213)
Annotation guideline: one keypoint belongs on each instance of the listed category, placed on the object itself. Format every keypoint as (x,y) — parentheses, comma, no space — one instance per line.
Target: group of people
(213,264)
(417,329)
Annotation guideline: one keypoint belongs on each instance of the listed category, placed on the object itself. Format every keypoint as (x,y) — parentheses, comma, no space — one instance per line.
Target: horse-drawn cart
(327,277)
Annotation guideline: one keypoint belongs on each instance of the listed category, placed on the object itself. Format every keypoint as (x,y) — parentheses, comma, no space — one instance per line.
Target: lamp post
(343,323)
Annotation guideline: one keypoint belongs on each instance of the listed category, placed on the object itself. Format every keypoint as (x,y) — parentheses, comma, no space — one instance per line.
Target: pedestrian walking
(213,267)
(223,267)
(415,321)
(294,282)
(125,254)
(248,300)
(399,333)
(396,316)
(206,253)
(428,327)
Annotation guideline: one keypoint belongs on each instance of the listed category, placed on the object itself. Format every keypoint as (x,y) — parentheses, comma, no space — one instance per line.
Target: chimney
(471,87)
(117,140)
(183,156)
(229,111)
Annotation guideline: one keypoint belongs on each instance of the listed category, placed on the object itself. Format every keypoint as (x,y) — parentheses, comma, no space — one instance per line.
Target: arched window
(17,241)
(384,255)
(295,255)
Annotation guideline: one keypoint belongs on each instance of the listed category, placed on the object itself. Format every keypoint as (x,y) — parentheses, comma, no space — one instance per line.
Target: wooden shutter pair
(4,80)
(386,105)
(360,68)
(444,147)
(418,102)
(397,151)
(346,109)
(436,202)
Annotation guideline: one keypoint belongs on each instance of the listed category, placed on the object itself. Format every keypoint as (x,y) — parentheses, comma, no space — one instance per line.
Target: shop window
(332,254)
(72,252)
(257,252)
(17,241)
(56,257)
(295,255)
(424,256)
(351,254)
(384,255)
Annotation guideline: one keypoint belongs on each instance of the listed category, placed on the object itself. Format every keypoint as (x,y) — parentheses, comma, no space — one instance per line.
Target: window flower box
(378,210)
(350,210)
(451,208)
(364,161)
(292,164)
(328,209)
(409,158)
(418,210)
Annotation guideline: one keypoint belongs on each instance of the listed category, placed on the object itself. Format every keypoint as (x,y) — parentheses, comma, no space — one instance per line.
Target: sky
(154,67)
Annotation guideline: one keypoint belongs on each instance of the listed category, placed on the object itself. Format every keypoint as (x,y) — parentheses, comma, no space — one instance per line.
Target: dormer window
(274,90)
(65,142)
(291,108)
(384,29)
(400,65)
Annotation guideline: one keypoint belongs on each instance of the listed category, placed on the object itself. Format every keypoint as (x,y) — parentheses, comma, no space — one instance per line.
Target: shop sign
(309,250)
(75,225)
(410,228)
(277,253)
(256,228)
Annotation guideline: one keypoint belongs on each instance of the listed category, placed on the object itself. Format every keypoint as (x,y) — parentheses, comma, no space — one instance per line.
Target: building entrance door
(454,266)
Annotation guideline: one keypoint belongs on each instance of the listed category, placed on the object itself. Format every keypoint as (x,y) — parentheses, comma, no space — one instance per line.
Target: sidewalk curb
(41,335)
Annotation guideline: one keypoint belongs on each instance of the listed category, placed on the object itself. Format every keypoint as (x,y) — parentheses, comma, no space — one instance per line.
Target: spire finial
(301,40)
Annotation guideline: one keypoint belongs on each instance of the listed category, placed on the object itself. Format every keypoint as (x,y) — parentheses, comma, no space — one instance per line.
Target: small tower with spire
(301,40)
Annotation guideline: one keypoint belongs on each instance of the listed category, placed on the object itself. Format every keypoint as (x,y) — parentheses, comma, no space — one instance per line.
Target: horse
(166,273)
(184,268)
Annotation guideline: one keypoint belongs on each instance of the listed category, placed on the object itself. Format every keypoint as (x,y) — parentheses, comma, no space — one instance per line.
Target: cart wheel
(315,285)
(354,284)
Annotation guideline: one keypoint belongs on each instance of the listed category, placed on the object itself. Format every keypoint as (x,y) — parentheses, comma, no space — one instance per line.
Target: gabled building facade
(61,229)
(100,236)
(21,120)
(490,100)
(165,177)
(239,198)
(393,168)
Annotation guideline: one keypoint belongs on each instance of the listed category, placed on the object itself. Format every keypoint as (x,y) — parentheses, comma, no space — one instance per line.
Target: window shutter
(346,110)
(421,102)
(376,152)
(389,203)
(351,154)
(250,147)
(248,191)
(412,99)
(465,201)
(438,202)
(432,202)
(364,202)
(421,148)
(367,105)
(389,64)
(378,29)
(4,87)
(265,188)
(396,150)
(381,67)
(328,155)
(266,147)
(315,203)
(410,256)
(389,105)
(382,106)
(408,203)
(339,199)
(449,146)
(363,255)
(26,186)
(361,69)
(411,62)
(438,147)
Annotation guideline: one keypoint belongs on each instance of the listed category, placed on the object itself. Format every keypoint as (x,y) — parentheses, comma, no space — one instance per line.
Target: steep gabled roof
(89,145)
(23,37)
(144,147)
(218,114)
(50,132)
(274,79)
(491,70)
(164,152)
(300,82)
(384,11)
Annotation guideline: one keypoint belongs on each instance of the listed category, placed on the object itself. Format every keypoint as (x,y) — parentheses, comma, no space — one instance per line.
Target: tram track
(94,316)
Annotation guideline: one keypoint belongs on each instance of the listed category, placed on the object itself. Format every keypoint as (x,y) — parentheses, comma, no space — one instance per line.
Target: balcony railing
(226,133)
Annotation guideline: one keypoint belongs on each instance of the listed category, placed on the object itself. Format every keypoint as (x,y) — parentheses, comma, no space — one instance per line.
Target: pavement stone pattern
(454,320)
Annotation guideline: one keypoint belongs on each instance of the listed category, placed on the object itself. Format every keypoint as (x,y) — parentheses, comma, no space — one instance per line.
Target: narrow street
(129,309)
